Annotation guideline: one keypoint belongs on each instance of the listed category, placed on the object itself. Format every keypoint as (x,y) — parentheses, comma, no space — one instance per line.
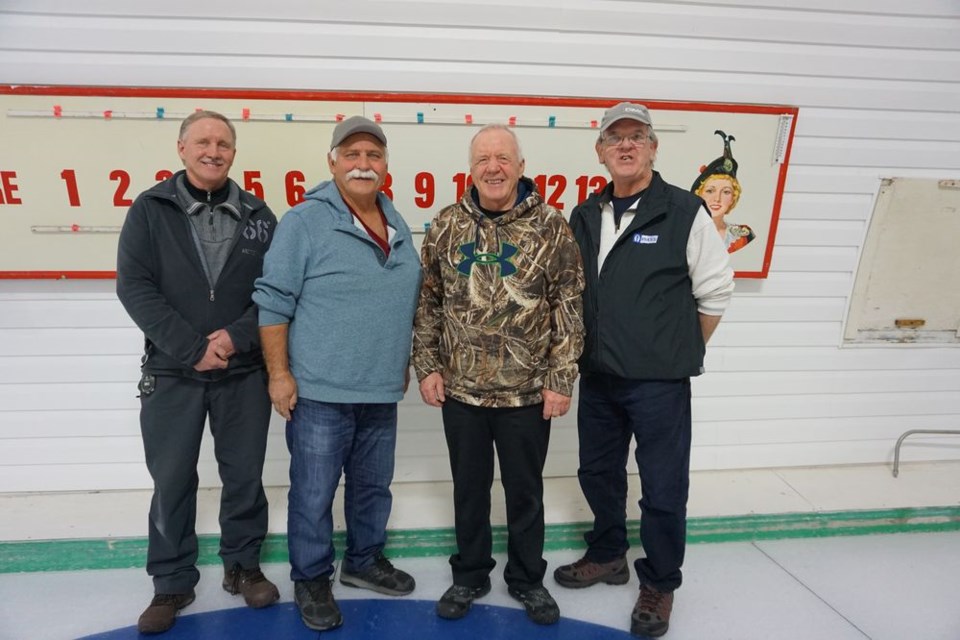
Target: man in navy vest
(657,281)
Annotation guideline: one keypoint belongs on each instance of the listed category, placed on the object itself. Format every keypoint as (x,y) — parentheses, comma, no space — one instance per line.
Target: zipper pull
(212,298)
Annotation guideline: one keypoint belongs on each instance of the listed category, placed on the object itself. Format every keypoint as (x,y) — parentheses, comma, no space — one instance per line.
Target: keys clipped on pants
(147,384)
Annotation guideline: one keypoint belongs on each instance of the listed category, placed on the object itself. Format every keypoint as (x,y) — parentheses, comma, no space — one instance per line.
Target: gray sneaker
(381,577)
(318,609)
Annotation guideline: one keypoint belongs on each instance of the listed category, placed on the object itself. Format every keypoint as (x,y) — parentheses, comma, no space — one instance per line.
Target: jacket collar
(531,201)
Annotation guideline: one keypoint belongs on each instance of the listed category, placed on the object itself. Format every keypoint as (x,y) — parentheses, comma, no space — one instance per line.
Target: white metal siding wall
(877,83)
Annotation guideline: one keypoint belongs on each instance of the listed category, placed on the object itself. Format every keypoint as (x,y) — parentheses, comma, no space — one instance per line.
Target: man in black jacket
(189,252)
(658,280)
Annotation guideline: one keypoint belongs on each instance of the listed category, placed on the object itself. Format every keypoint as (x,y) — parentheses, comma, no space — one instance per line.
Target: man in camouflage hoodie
(497,334)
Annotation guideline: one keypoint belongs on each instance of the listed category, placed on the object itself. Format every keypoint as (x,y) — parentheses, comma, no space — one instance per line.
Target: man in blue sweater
(337,299)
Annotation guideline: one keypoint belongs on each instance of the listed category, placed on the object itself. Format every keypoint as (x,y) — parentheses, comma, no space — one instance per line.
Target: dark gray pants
(171,421)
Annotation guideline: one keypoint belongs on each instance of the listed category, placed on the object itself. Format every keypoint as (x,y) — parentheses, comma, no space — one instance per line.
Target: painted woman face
(719,194)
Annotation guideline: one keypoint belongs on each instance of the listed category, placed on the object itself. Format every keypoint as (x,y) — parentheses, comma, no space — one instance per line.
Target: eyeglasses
(636,139)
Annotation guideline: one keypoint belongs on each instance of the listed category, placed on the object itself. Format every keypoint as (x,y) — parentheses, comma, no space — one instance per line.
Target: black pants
(657,414)
(521,437)
(171,421)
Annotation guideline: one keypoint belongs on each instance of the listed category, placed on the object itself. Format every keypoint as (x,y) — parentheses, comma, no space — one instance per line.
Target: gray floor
(881,587)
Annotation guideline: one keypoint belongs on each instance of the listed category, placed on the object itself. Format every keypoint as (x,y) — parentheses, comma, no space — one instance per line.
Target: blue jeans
(326,441)
(657,414)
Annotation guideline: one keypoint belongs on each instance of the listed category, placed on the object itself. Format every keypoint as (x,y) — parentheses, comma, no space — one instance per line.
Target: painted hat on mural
(353,125)
(725,165)
(625,110)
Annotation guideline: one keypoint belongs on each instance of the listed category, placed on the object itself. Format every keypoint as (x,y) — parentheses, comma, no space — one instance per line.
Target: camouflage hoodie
(500,311)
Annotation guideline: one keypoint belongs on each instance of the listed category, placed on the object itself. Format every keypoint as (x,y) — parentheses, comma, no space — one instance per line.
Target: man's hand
(283,393)
(431,390)
(211,359)
(554,404)
(223,343)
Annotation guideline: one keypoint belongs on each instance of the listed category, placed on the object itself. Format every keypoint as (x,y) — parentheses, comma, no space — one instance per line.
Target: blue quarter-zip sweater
(350,308)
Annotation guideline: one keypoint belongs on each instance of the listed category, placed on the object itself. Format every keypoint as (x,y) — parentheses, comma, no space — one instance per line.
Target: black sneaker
(318,609)
(540,605)
(381,577)
(456,601)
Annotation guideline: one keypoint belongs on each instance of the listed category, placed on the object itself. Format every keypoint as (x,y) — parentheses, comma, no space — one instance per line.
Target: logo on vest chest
(640,238)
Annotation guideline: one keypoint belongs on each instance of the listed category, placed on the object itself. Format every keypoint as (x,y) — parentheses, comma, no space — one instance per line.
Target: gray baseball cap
(356,124)
(625,111)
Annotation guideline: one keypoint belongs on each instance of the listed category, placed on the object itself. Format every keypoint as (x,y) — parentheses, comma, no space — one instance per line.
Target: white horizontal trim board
(820,233)
(850,152)
(743,22)
(819,454)
(765,334)
(851,429)
(853,124)
(877,83)
(305,40)
(58,369)
(828,358)
(402,75)
(815,383)
(825,406)
(78,341)
(791,284)
(774,309)
(850,180)
(825,206)
(814,258)
(102,314)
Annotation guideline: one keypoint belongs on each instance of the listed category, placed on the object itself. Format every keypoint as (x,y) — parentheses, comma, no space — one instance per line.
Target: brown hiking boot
(586,573)
(162,612)
(258,592)
(651,614)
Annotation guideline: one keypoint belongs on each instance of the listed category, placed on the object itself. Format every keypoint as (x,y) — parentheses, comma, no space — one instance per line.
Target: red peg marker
(377,118)
(107,114)
(245,113)
(593,124)
(74,228)
(57,111)
(339,117)
(468,118)
(512,121)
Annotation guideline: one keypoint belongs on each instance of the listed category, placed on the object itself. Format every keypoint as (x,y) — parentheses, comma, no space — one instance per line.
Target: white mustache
(363,174)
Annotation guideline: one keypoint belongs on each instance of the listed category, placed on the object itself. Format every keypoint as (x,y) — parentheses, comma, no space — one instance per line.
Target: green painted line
(125,553)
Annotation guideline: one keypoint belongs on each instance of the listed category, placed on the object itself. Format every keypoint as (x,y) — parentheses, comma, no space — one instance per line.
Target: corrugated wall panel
(877,83)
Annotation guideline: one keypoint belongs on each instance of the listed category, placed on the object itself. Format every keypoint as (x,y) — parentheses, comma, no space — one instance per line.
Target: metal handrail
(896,449)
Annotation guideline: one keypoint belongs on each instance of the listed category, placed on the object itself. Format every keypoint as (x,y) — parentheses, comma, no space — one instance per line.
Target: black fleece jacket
(162,284)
